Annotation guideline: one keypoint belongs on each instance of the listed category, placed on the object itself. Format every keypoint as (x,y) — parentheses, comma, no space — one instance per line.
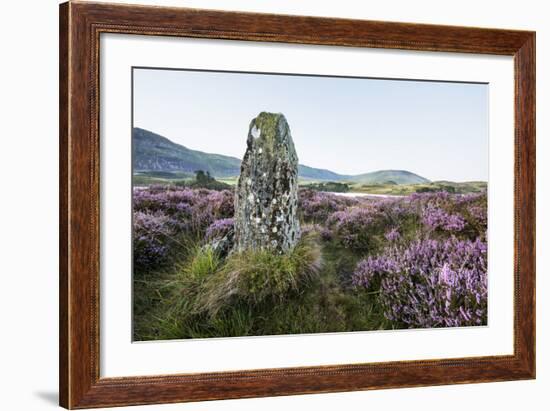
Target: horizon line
(318,168)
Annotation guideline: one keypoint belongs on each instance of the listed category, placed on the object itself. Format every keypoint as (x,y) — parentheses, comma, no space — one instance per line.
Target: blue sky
(435,129)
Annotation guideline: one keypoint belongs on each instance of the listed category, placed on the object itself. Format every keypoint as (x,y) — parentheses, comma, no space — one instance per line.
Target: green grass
(406,189)
(144,180)
(255,277)
(390,188)
(147,178)
(328,186)
(255,293)
(232,181)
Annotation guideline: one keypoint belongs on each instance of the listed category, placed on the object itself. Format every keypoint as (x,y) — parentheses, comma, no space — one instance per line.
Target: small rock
(223,245)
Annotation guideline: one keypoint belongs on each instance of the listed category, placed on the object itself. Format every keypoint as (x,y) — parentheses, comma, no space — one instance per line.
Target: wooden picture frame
(80,27)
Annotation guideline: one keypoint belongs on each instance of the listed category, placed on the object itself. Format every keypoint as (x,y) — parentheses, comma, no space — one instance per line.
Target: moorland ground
(413,261)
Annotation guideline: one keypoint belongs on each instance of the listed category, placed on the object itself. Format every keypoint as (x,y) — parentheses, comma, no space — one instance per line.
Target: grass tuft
(254,277)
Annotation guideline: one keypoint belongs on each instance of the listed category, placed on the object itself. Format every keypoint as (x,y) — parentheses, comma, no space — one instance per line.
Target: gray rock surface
(223,245)
(266,198)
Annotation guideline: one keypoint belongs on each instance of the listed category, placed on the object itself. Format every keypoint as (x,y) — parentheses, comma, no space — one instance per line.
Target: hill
(389,176)
(154,154)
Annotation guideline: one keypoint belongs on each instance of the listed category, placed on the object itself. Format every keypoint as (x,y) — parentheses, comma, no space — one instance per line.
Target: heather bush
(443,214)
(356,227)
(192,209)
(435,218)
(219,228)
(362,226)
(166,217)
(393,235)
(220,204)
(430,283)
(366,227)
(152,235)
(316,206)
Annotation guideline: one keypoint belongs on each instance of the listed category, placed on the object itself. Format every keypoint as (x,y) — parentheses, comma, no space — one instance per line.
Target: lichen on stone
(266,198)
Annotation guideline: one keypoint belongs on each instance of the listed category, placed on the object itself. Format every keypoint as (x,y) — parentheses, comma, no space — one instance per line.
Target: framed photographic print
(256,205)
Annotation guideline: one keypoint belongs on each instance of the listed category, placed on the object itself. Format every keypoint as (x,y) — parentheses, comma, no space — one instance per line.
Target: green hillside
(153,152)
(156,158)
(389,177)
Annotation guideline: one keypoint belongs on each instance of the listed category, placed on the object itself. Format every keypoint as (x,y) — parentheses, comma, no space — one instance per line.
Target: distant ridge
(386,176)
(153,152)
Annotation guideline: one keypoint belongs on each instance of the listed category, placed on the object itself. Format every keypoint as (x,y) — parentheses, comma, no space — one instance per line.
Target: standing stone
(266,199)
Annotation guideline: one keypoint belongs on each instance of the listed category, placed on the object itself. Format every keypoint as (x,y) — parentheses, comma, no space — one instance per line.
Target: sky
(438,130)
